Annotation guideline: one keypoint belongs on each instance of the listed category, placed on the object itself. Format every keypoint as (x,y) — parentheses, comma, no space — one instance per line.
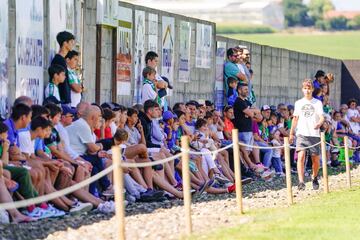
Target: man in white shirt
(308,118)
(82,141)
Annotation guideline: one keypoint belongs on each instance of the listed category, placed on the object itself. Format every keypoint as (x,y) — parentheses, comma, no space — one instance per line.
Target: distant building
(347,14)
(258,12)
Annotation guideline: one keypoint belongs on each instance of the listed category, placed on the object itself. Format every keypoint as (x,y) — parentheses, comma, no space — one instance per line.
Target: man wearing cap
(266,111)
(319,79)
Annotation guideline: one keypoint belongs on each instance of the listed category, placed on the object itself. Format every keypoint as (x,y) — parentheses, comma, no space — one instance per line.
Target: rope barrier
(150,164)
(352,148)
(209,152)
(260,147)
(334,146)
(51,196)
(302,149)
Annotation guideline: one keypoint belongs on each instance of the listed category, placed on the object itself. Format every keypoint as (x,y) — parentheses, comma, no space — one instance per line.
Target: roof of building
(346,14)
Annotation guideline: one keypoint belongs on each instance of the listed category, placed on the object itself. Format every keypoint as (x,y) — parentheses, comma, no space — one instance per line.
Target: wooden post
(237,168)
(347,162)
(119,194)
(288,170)
(324,163)
(186,183)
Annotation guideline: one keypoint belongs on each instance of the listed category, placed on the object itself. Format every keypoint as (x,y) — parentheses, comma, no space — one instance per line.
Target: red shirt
(229,126)
(107,133)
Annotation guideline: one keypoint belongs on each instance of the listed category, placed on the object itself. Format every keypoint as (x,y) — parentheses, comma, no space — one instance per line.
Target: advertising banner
(184,52)
(168,42)
(4,58)
(139,55)
(29,49)
(153,32)
(124,54)
(203,45)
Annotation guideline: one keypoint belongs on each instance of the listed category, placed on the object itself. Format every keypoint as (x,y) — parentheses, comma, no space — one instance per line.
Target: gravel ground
(164,220)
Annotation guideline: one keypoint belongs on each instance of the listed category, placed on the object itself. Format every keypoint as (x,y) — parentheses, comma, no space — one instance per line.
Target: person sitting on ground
(84,143)
(105,130)
(5,197)
(57,76)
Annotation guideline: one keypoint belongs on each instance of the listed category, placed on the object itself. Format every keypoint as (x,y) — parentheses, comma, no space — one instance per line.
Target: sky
(344,5)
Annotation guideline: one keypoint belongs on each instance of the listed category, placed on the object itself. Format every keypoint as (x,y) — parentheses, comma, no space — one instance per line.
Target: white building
(259,12)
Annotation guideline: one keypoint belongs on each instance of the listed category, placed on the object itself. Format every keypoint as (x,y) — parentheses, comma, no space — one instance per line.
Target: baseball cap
(66,109)
(167,81)
(265,108)
(167,115)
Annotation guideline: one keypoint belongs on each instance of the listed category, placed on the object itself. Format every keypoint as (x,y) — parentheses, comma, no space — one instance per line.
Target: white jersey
(309,113)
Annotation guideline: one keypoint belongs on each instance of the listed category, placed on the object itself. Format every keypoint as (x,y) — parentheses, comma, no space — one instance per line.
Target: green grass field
(340,45)
(332,216)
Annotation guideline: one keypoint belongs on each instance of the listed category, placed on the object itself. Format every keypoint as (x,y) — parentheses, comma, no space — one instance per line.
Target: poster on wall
(153,32)
(184,52)
(4,54)
(106,12)
(139,54)
(203,45)
(123,55)
(61,18)
(168,41)
(29,49)
(219,74)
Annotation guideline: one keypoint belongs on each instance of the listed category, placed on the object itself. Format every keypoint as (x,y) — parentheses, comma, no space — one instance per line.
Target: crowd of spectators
(49,147)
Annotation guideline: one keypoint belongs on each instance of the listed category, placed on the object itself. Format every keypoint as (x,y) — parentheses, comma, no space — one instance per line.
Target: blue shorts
(247,138)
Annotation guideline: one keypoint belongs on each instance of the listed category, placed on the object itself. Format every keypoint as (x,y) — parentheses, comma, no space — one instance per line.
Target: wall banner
(29,49)
(4,58)
(153,32)
(168,42)
(139,55)
(184,52)
(124,52)
(219,73)
(203,45)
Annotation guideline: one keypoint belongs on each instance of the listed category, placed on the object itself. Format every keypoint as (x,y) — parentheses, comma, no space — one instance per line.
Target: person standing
(244,114)
(66,42)
(308,118)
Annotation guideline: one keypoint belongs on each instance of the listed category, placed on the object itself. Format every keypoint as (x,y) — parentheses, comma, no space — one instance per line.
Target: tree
(317,9)
(338,23)
(354,23)
(296,13)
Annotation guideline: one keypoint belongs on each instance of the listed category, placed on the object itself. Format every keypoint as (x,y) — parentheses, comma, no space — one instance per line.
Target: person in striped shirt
(57,76)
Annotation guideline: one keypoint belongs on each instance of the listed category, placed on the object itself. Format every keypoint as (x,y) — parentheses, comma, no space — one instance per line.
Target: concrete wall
(202,82)
(350,80)
(278,73)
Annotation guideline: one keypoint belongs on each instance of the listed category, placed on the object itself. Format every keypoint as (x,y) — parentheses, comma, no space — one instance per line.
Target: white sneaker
(4,217)
(109,206)
(55,212)
(80,207)
(39,213)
